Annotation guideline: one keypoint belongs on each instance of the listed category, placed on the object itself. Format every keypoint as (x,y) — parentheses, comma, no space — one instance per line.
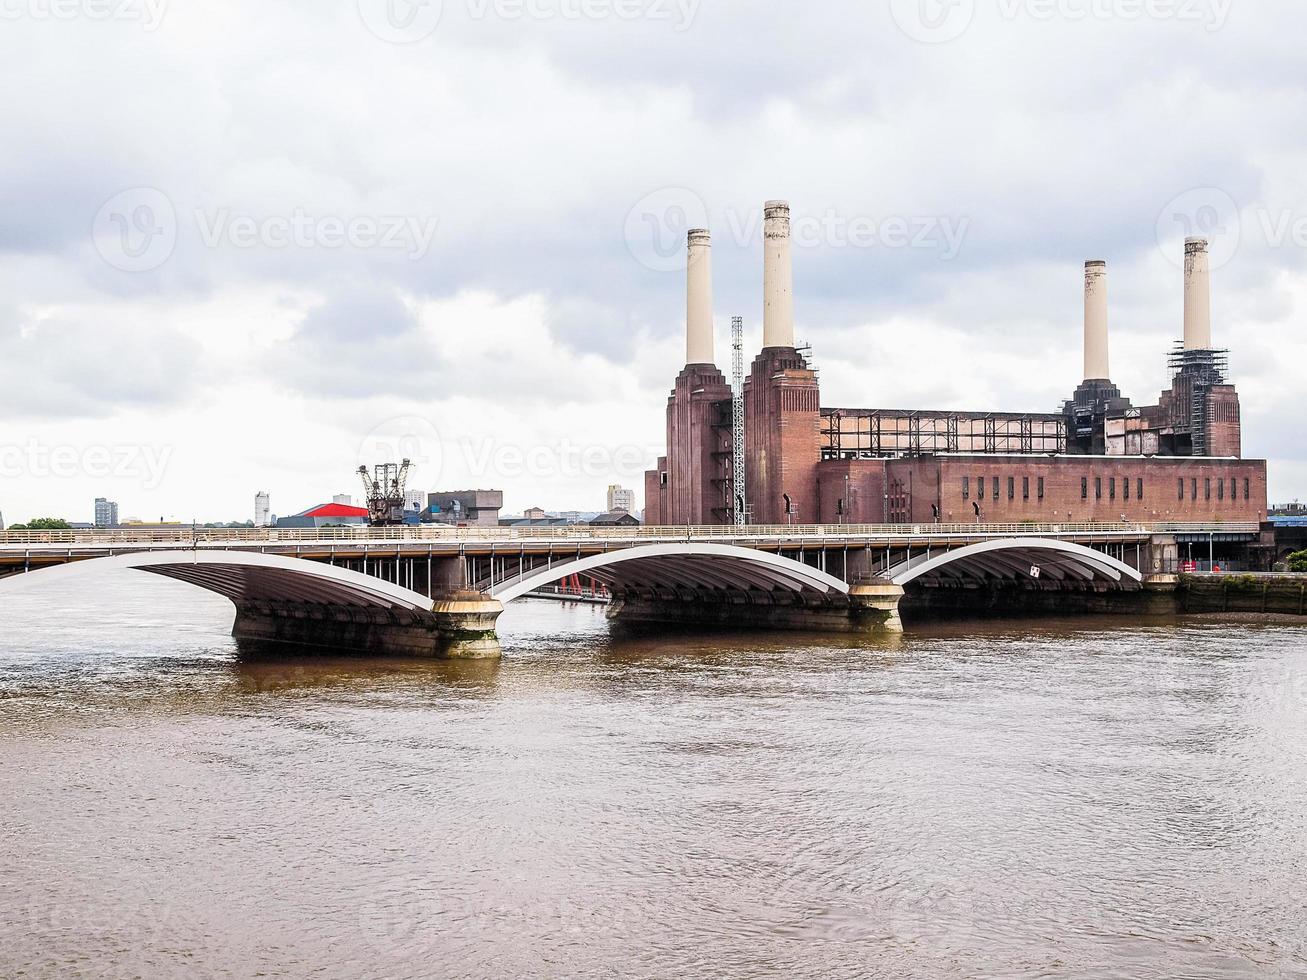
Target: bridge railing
(120,537)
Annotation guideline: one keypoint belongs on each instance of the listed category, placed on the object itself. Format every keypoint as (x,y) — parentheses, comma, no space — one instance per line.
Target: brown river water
(1079,798)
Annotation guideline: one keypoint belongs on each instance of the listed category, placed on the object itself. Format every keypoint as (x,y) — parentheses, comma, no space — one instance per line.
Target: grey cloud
(361,342)
(66,368)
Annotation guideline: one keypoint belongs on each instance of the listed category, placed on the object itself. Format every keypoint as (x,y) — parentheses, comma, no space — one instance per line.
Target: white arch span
(246,576)
(1013,558)
(681,565)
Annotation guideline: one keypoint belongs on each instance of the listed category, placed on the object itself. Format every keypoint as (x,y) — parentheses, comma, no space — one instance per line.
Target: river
(1080,798)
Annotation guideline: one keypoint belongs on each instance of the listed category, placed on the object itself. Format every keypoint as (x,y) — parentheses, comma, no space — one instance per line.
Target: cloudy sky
(248,245)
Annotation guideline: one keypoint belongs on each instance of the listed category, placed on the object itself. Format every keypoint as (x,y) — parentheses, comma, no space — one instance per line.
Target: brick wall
(1080,489)
(859,483)
(696,448)
(783,437)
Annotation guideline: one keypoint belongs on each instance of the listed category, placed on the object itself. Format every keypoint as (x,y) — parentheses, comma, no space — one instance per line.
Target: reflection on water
(1081,798)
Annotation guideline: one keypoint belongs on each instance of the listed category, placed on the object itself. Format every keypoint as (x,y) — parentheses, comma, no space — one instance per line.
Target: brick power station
(1099,459)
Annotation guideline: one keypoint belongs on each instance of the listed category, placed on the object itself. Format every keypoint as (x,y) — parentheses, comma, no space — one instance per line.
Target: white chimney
(698,314)
(1197,295)
(777,277)
(1096,365)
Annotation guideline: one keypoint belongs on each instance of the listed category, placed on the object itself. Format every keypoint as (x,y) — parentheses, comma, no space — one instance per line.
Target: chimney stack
(777,277)
(698,313)
(1096,362)
(1197,295)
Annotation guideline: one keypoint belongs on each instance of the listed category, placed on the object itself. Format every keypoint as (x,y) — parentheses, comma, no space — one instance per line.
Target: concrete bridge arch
(1014,560)
(694,570)
(248,576)
(285,600)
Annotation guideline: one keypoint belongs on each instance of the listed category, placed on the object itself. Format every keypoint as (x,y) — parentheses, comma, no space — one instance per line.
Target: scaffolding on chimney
(739,503)
(1198,372)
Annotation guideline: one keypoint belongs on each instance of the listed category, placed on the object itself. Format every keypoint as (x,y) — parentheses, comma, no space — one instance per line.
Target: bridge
(438,591)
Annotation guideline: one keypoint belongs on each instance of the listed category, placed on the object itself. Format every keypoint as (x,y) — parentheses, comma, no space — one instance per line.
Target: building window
(966,488)
(1025,488)
(1234,489)
(1084,488)
(980,488)
(1193,488)
(1111,488)
(1180,488)
(1139,489)
(1041,488)
(1207,488)
(1098,488)
(1012,488)
(1246,488)
(995,488)
(1125,488)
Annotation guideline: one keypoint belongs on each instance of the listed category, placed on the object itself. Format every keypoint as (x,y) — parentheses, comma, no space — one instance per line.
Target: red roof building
(326,515)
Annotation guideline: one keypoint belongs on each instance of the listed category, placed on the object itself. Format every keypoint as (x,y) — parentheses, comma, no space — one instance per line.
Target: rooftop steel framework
(868,433)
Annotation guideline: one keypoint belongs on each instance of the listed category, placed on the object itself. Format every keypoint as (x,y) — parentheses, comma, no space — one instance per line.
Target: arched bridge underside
(309,601)
(248,578)
(1028,562)
(694,572)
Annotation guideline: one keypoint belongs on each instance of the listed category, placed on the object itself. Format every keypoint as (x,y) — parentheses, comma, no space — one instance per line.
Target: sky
(252,245)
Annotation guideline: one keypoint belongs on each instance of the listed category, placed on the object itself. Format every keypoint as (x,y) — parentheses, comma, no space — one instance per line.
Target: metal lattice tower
(740,505)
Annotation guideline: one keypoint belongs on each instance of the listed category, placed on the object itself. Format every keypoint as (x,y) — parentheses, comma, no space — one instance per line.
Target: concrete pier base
(875,611)
(1160,595)
(1156,597)
(875,607)
(460,627)
(466,623)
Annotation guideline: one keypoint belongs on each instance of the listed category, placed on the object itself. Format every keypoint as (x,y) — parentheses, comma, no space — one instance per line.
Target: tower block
(782,404)
(782,424)
(698,444)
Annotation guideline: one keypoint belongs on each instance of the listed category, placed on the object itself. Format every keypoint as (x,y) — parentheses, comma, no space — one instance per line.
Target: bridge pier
(466,623)
(458,627)
(875,607)
(874,610)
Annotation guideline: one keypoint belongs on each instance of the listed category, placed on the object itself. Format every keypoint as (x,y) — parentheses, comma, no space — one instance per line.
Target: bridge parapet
(118,538)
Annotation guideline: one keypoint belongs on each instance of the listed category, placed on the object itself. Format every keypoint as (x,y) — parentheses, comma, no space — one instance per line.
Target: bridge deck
(23,550)
(441,535)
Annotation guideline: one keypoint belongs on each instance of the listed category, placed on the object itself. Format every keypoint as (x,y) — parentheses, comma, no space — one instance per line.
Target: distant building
(620,498)
(615,518)
(262,509)
(537,517)
(106,513)
(415,500)
(475,508)
(574,516)
(344,499)
(326,515)
(1098,458)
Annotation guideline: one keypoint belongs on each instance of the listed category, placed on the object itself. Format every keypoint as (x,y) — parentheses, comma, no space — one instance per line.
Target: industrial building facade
(1100,458)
